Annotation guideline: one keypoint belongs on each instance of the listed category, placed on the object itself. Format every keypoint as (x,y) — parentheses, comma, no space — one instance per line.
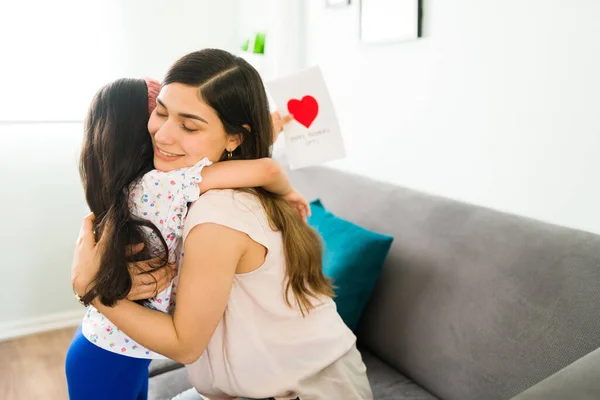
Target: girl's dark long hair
(234,89)
(116,151)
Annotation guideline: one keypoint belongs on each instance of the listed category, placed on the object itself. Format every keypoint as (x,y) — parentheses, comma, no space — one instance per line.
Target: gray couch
(472,304)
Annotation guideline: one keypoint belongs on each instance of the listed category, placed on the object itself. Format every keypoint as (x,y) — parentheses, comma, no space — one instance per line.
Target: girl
(143,211)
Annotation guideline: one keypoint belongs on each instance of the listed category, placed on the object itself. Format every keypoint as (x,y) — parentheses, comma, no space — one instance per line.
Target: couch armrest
(579,380)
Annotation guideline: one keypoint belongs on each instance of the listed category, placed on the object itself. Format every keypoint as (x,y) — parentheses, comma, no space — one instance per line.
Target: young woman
(255,316)
(144,208)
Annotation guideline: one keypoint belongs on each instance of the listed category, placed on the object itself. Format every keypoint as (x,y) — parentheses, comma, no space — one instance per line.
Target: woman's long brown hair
(234,89)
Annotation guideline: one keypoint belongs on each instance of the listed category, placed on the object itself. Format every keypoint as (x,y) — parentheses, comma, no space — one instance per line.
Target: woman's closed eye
(187,129)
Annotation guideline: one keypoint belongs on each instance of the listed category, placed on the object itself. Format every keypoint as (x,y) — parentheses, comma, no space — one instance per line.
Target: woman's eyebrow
(193,116)
(159,101)
(183,115)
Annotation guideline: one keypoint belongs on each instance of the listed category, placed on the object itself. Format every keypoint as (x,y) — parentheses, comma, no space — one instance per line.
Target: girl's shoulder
(178,181)
(184,173)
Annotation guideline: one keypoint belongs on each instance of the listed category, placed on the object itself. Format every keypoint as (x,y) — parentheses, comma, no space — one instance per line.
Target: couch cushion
(388,384)
(352,258)
(167,385)
(160,366)
(471,303)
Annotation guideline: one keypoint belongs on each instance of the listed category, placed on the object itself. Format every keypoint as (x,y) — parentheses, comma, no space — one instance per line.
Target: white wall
(68,48)
(41,207)
(499,105)
(283,22)
(41,201)
(158,32)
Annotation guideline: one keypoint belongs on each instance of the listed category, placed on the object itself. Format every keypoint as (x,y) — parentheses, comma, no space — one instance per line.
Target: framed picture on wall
(337,3)
(383,21)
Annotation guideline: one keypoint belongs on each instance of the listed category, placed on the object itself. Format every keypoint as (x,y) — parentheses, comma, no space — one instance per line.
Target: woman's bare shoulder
(232,200)
(233,208)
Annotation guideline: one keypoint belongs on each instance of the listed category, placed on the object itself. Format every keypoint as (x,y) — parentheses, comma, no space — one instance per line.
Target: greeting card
(314,136)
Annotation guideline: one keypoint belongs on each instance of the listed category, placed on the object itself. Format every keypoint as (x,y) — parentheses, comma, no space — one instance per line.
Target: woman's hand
(146,283)
(278,123)
(298,203)
(86,262)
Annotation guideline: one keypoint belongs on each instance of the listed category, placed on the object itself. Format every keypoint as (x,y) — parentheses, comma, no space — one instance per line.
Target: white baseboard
(14,329)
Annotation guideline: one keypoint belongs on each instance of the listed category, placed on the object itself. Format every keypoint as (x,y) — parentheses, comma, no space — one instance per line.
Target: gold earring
(229,155)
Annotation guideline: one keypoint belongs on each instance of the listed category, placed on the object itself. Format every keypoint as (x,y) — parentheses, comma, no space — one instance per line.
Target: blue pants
(97,374)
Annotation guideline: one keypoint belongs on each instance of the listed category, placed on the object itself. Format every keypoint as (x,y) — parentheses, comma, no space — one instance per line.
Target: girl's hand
(298,203)
(278,123)
(86,261)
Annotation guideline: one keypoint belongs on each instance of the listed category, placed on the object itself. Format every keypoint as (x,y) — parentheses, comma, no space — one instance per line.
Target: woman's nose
(166,133)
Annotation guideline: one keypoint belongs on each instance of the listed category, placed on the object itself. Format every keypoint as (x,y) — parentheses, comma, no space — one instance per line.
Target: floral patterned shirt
(163,199)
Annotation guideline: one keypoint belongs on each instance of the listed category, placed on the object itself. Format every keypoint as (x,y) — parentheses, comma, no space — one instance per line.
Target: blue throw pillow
(352,257)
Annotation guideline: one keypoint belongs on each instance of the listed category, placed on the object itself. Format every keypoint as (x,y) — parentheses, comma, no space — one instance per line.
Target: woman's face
(184,129)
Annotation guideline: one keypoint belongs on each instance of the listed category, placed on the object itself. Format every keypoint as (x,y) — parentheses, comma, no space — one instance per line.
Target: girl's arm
(278,123)
(212,253)
(235,174)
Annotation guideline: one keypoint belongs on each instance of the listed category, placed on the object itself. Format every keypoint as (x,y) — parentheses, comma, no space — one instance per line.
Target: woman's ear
(234,141)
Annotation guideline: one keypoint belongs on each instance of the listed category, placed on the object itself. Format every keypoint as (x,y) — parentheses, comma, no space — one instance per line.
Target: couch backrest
(472,303)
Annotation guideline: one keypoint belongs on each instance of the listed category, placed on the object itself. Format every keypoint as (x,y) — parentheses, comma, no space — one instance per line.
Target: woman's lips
(163,155)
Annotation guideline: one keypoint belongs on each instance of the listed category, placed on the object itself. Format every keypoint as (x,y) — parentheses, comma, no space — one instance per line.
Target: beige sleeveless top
(262,347)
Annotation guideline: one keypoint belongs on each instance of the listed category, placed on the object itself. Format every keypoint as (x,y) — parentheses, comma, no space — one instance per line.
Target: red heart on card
(304,111)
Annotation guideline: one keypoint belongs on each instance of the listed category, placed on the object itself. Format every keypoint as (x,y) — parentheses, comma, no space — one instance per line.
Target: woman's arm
(212,253)
(264,172)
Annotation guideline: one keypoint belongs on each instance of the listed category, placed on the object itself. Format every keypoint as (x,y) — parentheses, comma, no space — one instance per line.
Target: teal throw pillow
(352,257)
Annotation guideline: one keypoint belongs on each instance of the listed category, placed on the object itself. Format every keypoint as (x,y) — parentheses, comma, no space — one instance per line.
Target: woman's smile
(163,155)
